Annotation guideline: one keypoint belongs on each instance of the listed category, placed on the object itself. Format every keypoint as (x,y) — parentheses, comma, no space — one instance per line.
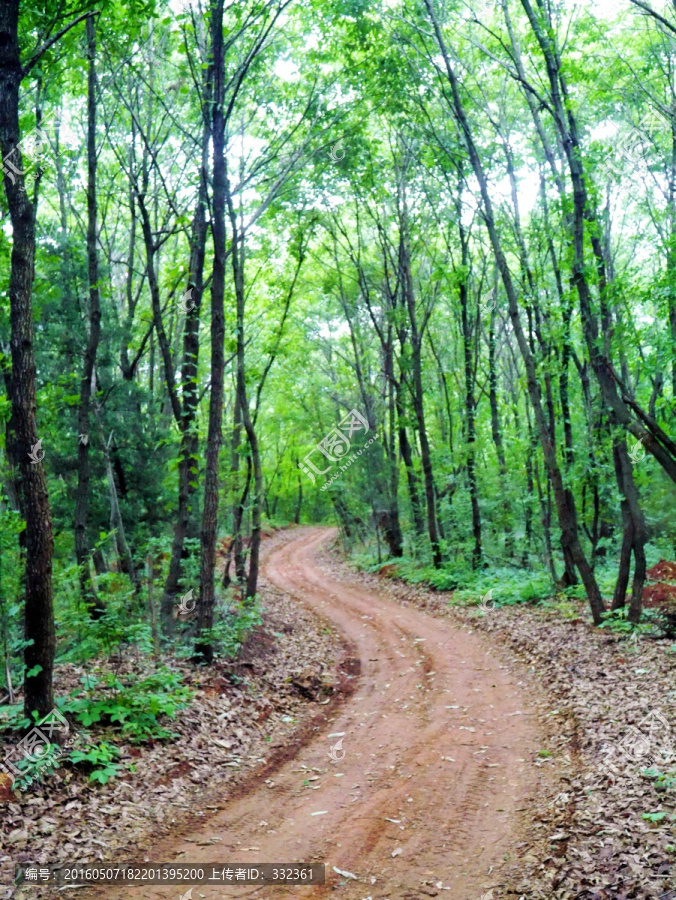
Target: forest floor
(440,759)
(469,755)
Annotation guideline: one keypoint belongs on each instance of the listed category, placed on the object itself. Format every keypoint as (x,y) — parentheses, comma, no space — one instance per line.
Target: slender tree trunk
(417,398)
(470,406)
(82,553)
(299,502)
(39,611)
(204,647)
(237,520)
(393,532)
(635,530)
(497,436)
(152,611)
(117,525)
(567,514)
(187,466)
(406,455)
(238,262)
(239,495)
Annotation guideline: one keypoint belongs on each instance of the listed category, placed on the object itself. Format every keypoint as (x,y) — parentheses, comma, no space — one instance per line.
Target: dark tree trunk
(237,521)
(411,477)
(238,263)
(82,553)
(417,398)
(39,612)
(570,539)
(187,466)
(299,502)
(124,555)
(634,535)
(470,400)
(497,440)
(205,621)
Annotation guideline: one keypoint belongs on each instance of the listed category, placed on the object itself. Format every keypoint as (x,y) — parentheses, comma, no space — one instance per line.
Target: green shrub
(136,708)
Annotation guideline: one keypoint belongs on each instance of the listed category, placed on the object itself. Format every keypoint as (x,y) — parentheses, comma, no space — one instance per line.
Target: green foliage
(134,707)
(99,759)
(230,631)
(655,816)
(509,585)
(35,768)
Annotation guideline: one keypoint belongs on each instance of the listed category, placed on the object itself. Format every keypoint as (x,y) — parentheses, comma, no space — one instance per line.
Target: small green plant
(136,708)
(35,768)
(654,817)
(616,620)
(229,633)
(100,759)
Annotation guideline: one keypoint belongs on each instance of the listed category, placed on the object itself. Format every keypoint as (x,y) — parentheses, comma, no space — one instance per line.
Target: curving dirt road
(437,770)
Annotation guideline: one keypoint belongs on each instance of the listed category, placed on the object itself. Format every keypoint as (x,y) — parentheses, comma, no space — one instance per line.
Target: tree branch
(59,34)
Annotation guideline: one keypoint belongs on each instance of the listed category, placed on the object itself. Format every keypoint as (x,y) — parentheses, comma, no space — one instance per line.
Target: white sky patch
(334,329)
(286,70)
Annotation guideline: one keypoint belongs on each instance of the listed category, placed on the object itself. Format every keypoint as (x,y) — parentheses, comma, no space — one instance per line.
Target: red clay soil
(439,747)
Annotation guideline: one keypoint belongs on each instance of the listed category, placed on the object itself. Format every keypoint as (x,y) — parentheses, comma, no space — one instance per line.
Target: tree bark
(417,396)
(204,647)
(187,465)
(567,514)
(39,611)
(82,553)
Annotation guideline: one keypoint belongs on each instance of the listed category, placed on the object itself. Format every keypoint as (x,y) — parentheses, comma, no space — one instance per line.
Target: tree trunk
(39,611)
(205,620)
(411,477)
(470,401)
(82,553)
(299,502)
(238,262)
(187,466)
(417,398)
(117,525)
(570,540)
(497,440)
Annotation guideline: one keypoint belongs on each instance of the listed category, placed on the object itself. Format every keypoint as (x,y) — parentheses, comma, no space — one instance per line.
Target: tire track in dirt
(437,764)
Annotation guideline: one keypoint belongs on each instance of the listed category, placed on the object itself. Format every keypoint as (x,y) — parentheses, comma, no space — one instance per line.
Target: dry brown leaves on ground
(243,712)
(608,708)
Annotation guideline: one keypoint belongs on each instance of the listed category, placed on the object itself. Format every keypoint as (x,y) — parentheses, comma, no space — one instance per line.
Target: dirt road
(437,768)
